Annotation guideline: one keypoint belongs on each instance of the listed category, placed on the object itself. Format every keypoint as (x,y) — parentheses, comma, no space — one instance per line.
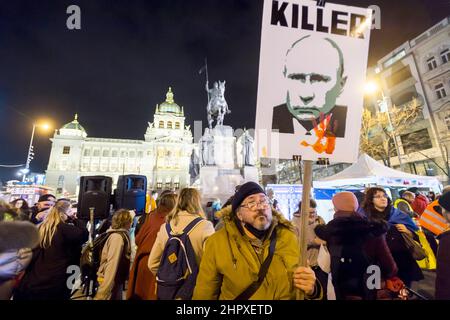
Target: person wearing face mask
(42,208)
(17,239)
(61,236)
(254,255)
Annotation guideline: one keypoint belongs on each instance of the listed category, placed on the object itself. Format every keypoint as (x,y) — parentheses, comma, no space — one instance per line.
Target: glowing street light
(30,155)
(371,87)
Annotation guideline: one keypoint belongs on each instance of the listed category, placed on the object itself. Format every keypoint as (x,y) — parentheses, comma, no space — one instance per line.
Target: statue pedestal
(250,174)
(219,183)
(220,180)
(224,146)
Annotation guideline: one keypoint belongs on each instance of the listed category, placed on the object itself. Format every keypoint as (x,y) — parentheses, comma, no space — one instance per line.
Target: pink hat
(345,201)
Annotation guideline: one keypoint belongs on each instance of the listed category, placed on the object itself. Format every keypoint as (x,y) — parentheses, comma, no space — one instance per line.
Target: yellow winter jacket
(230,263)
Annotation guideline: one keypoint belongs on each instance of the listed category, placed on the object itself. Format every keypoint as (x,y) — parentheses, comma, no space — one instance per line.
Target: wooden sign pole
(306,191)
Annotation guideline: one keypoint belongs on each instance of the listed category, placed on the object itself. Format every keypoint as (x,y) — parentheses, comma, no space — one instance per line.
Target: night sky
(115,69)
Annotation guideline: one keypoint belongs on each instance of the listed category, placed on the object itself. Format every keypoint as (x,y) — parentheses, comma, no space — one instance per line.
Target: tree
(377,134)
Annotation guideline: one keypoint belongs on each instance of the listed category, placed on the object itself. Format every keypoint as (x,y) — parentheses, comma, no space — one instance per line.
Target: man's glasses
(253,205)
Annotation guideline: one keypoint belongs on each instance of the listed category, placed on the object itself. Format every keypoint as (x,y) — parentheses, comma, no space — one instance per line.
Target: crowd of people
(373,248)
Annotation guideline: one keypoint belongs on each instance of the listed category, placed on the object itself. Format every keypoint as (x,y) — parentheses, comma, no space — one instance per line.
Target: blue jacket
(396,217)
(399,217)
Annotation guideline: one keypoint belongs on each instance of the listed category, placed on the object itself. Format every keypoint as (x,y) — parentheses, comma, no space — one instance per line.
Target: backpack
(349,265)
(90,261)
(178,268)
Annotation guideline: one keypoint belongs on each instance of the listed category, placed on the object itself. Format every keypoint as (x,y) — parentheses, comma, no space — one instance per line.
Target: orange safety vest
(432,220)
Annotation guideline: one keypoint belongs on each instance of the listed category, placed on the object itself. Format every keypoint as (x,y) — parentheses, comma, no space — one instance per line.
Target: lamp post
(30,150)
(383,105)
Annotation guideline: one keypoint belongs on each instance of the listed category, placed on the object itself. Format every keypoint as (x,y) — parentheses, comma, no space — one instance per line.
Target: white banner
(312,71)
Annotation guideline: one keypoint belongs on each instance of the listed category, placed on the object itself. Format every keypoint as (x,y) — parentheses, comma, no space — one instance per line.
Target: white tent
(367,171)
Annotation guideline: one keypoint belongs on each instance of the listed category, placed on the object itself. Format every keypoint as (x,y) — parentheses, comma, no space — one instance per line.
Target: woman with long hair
(377,206)
(142,283)
(115,257)
(187,209)
(61,236)
(23,207)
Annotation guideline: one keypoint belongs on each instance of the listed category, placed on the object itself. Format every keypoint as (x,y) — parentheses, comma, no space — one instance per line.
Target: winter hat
(444,201)
(247,189)
(45,197)
(345,201)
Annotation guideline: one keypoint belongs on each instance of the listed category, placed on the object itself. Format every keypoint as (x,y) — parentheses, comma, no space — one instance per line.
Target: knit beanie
(247,189)
(45,197)
(345,201)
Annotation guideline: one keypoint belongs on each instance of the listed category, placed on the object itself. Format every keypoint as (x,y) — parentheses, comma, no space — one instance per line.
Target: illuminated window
(169,124)
(440,91)
(161,124)
(445,56)
(177,125)
(176,185)
(431,63)
(66,150)
(168,185)
(159,185)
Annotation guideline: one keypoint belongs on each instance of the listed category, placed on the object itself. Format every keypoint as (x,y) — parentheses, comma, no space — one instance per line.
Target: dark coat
(142,282)
(46,276)
(443,267)
(349,230)
(351,234)
(282,120)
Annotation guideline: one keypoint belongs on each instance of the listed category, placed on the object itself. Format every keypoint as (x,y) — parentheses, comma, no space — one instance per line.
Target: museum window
(123,154)
(440,91)
(431,63)
(105,153)
(445,56)
(161,124)
(66,150)
(169,125)
(176,185)
(159,185)
(177,125)
(168,185)
(96,153)
(87,152)
(114,154)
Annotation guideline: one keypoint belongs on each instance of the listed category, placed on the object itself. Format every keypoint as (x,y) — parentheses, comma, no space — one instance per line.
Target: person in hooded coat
(349,232)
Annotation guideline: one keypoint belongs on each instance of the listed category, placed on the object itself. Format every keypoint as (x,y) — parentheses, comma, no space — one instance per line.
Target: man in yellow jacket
(234,255)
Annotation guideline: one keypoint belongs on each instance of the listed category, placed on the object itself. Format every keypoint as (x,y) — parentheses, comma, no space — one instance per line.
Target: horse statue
(217,105)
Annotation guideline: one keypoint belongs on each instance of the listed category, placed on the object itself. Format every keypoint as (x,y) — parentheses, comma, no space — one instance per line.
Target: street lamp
(30,155)
(371,88)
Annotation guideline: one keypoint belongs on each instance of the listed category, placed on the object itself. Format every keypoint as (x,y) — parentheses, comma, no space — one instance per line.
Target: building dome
(73,128)
(169,106)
